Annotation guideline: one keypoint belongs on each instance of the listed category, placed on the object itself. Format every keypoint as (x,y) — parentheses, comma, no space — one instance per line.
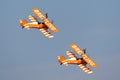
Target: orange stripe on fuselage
(38,26)
(73,61)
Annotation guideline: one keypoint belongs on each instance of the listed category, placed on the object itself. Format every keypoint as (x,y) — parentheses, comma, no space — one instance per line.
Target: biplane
(82,62)
(41,26)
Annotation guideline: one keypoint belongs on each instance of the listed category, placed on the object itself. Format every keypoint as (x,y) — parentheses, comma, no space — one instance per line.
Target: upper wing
(39,14)
(86,58)
(76,49)
(33,19)
(89,61)
(46,33)
(85,69)
(72,56)
(47,22)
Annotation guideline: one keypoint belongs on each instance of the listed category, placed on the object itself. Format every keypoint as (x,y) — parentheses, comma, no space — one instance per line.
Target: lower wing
(85,69)
(46,33)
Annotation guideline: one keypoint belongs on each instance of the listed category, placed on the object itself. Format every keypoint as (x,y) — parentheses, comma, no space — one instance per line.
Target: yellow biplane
(81,62)
(42,26)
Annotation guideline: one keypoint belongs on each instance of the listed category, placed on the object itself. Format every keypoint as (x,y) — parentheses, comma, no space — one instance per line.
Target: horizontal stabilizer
(71,55)
(33,19)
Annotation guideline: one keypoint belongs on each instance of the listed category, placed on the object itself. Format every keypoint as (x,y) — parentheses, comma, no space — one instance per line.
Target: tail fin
(61,60)
(23,22)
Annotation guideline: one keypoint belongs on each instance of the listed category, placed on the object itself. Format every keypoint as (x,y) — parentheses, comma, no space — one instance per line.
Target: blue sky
(28,55)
